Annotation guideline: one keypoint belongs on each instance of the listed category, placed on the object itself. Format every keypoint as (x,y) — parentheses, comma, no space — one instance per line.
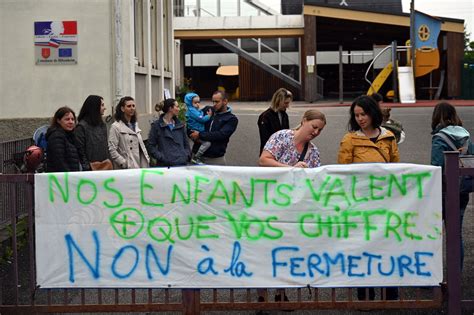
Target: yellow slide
(380,79)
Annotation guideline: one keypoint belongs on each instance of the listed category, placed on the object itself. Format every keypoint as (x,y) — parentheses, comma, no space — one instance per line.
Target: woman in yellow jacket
(368,142)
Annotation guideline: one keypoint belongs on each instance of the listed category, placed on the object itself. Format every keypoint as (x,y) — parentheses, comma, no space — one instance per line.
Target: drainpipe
(118,51)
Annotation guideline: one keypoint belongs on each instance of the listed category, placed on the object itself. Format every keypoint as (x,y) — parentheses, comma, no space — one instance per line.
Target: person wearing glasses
(275,117)
(218,130)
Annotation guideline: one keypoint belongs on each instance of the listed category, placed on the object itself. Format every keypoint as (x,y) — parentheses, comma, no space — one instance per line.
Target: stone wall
(14,129)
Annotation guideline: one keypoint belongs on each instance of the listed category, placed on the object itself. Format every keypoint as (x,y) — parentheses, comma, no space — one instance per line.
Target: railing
(19,294)
(453,232)
(11,158)
(320,86)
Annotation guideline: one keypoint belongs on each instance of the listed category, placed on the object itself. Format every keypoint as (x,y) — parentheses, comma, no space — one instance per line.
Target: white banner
(230,227)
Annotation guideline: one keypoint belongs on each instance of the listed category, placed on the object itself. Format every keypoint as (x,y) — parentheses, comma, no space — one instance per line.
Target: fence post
(191,301)
(453,231)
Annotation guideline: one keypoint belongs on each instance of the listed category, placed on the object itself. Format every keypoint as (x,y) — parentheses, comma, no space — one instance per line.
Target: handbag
(104,165)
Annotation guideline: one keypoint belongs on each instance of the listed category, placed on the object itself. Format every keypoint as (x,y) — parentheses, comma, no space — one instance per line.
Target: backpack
(466,159)
(39,137)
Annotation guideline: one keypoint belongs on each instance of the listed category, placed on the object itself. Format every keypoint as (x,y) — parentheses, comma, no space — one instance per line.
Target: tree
(468,48)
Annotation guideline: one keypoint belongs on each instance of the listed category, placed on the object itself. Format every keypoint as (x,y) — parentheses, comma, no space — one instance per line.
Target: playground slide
(380,79)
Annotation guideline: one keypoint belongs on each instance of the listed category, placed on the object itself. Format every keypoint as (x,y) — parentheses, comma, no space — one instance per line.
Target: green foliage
(181,91)
(182,111)
(469,57)
(21,240)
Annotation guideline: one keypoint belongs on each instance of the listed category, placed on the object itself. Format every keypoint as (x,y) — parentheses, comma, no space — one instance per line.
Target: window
(138,32)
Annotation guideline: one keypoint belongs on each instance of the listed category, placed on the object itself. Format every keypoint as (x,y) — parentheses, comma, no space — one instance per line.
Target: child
(195,119)
(392,125)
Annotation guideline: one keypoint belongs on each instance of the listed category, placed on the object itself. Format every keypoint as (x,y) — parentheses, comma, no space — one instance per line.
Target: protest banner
(240,227)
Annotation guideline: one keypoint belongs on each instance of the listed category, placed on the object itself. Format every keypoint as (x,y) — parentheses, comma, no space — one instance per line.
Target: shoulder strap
(450,143)
(387,160)
(303,154)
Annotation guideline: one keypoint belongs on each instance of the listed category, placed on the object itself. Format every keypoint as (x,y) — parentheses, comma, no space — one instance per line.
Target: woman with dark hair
(368,142)
(126,147)
(167,140)
(275,117)
(448,135)
(63,153)
(91,132)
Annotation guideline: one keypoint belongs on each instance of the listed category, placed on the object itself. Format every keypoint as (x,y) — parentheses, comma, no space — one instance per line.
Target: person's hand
(301,164)
(210,112)
(194,135)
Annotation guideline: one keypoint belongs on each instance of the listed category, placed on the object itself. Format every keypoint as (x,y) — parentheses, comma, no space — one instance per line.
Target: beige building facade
(124,47)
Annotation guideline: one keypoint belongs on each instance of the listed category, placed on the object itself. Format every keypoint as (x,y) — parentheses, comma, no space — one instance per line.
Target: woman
(63,153)
(275,117)
(368,142)
(126,147)
(167,141)
(447,131)
(91,132)
(292,147)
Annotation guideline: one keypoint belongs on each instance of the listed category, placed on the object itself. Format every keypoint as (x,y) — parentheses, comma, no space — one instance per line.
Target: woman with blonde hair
(275,117)
(293,147)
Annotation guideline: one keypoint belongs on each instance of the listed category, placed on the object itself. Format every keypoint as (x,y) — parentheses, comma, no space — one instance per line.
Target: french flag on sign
(56,28)
(55,33)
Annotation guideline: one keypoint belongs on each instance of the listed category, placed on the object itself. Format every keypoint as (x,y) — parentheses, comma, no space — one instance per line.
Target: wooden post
(309,49)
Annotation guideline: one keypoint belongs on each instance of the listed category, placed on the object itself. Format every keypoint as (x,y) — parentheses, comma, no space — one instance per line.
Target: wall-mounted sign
(56,42)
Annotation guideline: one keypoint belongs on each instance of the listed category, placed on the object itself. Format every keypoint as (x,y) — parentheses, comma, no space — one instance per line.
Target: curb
(433,103)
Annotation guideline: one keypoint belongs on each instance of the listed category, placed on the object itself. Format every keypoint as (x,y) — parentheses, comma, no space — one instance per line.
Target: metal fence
(11,157)
(19,293)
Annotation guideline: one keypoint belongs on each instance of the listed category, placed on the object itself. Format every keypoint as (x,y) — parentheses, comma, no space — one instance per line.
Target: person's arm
(265,131)
(345,154)
(223,134)
(186,144)
(438,146)
(80,143)
(114,139)
(267,159)
(57,152)
(394,153)
(198,116)
(153,145)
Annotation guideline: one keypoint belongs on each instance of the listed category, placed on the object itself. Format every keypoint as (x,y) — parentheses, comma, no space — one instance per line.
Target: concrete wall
(30,90)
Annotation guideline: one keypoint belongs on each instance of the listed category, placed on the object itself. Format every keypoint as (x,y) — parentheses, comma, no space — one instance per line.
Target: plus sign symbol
(424,32)
(127,222)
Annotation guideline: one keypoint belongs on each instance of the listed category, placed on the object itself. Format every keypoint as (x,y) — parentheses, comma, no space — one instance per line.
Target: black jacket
(269,123)
(62,154)
(218,132)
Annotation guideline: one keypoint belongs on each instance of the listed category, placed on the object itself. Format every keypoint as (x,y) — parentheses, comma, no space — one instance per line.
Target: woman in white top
(126,146)
(285,147)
